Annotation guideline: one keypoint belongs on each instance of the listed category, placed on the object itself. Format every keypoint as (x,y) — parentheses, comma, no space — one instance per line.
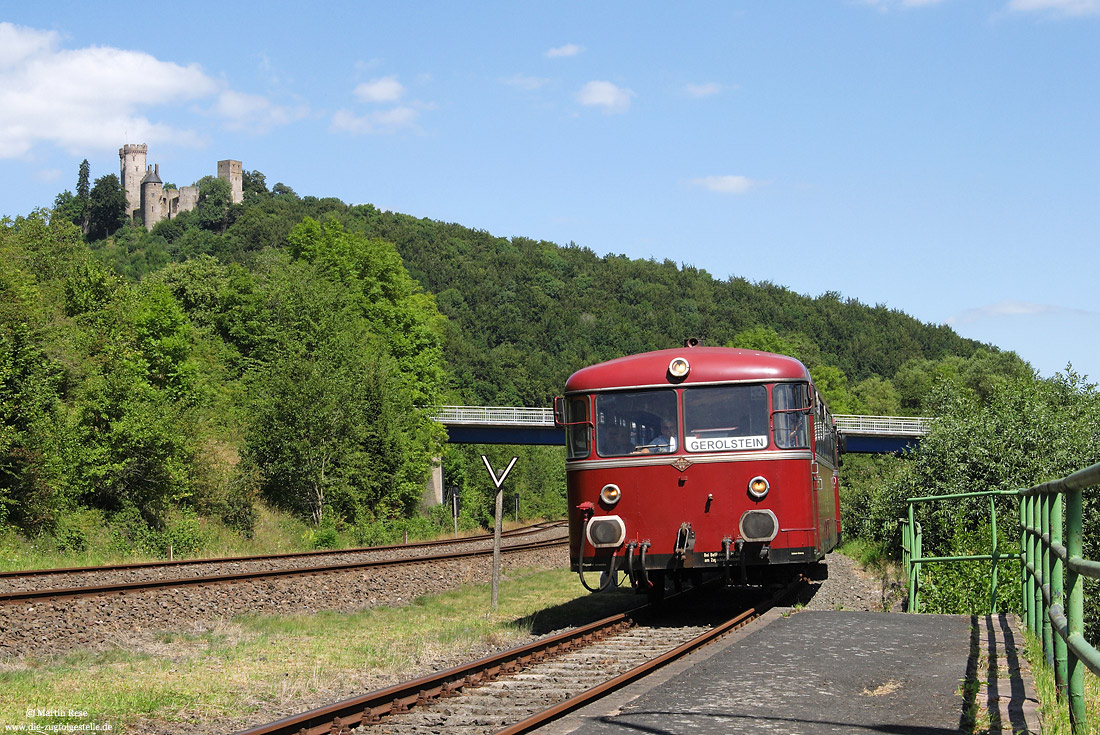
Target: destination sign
(725,443)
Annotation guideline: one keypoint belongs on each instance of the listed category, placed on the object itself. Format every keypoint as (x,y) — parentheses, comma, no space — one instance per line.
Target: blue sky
(940,157)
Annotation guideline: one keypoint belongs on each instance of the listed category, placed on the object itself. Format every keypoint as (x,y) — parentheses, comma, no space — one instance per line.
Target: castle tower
(232,172)
(132,169)
(152,189)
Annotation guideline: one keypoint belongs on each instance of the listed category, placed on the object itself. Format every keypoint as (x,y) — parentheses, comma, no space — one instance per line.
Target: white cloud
(384,89)
(606,95)
(569,49)
(527,83)
(385,121)
(98,97)
(254,112)
(703,90)
(1010,309)
(18,43)
(1058,7)
(725,184)
(48,174)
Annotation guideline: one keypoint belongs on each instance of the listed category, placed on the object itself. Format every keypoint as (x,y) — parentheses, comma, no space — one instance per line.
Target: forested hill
(526,313)
(291,348)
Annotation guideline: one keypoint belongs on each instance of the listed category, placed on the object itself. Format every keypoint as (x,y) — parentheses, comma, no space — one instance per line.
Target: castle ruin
(146,197)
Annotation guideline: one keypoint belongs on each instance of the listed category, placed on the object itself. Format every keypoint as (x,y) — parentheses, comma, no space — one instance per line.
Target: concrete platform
(810,672)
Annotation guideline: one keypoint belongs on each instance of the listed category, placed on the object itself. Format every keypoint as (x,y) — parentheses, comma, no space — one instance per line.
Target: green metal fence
(1054,595)
(1053,589)
(912,546)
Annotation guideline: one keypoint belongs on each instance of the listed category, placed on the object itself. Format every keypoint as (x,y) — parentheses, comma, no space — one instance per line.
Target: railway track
(157,571)
(55,594)
(53,620)
(522,689)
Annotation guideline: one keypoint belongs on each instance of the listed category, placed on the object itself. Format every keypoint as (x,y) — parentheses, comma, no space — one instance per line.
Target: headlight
(758,487)
(610,494)
(606,532)
(678,368)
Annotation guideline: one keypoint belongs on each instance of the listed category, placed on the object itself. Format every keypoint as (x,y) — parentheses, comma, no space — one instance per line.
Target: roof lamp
(678,368)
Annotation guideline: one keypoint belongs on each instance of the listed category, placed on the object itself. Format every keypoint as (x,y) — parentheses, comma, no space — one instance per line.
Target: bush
(132,535)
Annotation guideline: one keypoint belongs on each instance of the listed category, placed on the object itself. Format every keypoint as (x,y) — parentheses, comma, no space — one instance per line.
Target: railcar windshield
(577,430)
(725,418)
(636,422)
(790,419)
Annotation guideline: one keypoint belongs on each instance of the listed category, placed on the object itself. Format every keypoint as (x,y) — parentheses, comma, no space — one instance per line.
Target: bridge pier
(433,489)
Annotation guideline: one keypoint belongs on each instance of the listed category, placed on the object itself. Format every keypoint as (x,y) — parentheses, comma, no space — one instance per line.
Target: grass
(274,533)
(875,559)
(869,555)
(252,661)
(1054,711)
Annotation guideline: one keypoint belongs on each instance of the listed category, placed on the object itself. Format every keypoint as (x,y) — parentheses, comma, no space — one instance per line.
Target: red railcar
(698,459)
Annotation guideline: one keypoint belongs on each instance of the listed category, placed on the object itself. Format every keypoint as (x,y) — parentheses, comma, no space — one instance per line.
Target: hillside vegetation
(283,352)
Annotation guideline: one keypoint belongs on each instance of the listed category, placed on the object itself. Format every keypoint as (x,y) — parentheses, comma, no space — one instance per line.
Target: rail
(883,425)
(912,546)
(493,415)
(1052,588)
(520,416)
(1054,595)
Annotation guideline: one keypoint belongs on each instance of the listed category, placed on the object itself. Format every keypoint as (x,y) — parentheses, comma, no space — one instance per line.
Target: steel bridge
(519,425)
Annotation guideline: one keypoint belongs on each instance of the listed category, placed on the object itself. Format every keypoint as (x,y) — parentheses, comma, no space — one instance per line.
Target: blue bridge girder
(535,426)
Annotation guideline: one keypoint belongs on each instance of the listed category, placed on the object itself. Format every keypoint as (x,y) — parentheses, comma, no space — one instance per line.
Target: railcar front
(698,459)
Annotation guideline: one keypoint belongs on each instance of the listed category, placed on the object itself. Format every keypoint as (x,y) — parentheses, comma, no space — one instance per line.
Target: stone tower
(132,169)
(232,172)
(152,191)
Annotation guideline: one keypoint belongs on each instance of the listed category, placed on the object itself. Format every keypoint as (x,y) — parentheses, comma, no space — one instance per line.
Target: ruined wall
(146,198)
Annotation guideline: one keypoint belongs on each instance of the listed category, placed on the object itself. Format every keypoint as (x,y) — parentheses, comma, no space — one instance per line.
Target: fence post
(906,563)
(1036,570)
(1076,614)
(919,544)
(1056,594)
(910,569)
(1025,549)
(993,576)
(1044,530)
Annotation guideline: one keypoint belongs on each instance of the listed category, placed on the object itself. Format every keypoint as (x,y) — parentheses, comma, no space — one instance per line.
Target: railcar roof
(708,365)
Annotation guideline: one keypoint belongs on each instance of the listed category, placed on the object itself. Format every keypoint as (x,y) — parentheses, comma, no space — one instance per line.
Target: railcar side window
(790,419)
(725,418)
(636,422)
(578,431)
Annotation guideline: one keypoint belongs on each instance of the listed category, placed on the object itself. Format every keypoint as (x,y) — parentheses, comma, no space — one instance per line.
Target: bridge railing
(494,415)
(519,416)
(883,425)
(1054,596)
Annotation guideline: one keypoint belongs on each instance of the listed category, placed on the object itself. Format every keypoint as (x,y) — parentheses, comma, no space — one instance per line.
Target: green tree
(84,196)
(336,425)
(389,298)
(253,186)
(876,396)
(1023,432)
(107,207)
(214,204)
(832,384)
